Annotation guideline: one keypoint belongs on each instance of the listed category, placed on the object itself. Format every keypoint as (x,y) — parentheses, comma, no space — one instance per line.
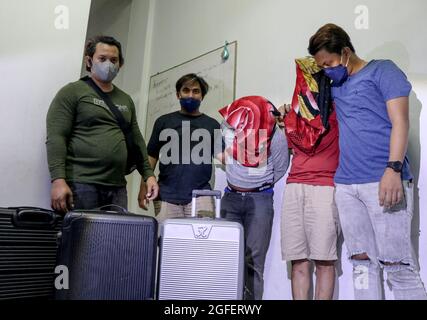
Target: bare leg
(325,280)
(301,279)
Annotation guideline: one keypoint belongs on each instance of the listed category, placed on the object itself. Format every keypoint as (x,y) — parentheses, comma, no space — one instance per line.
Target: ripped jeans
(385,236)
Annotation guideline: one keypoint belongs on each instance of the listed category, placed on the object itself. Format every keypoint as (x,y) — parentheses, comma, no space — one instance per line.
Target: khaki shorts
(165,210)
(310,223)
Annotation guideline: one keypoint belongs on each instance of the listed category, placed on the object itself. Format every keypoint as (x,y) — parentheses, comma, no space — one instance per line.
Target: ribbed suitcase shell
(201,259)
(27,256)
(109,256)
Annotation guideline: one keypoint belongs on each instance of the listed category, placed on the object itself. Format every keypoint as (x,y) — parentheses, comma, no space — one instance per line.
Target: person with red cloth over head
(310,224)
(256,157)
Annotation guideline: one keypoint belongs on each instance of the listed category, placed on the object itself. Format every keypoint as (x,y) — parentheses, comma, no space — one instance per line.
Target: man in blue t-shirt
(374,189)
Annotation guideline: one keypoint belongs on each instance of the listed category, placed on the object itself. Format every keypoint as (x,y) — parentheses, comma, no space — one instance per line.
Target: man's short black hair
(330,37)
(90,48)
(190,78)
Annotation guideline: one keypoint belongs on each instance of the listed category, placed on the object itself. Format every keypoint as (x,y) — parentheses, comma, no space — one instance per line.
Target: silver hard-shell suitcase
(201,258)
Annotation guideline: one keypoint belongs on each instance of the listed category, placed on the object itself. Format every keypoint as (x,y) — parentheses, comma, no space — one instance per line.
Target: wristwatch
(395,165)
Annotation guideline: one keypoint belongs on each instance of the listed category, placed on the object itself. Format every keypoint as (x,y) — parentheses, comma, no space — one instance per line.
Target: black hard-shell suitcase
(28,247)
(109,256)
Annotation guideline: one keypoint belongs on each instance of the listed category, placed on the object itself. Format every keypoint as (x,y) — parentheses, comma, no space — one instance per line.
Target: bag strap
(133,152)
(114,110)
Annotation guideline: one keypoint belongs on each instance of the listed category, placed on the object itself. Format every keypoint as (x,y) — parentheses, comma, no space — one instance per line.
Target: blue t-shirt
(364,124)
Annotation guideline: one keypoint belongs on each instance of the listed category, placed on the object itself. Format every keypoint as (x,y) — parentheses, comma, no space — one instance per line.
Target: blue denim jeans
(254,210)
(385,236)
(91,196)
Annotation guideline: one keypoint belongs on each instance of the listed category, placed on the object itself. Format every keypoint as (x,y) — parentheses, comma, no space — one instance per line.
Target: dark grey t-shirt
(185,146)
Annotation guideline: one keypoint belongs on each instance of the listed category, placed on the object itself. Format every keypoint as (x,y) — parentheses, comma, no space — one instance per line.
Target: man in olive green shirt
(86,148)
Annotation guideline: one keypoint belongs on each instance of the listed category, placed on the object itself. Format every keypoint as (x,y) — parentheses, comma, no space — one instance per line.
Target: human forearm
(152,161)
(280,155)
(391,189)
(56,157)
(143,165)
(145,169)
(59,123)
(399,141)
(398,113)
(56,147)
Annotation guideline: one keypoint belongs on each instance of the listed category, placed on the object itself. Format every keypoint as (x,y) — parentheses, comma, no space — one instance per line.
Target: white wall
(36,60)
(135,75)
(270,34)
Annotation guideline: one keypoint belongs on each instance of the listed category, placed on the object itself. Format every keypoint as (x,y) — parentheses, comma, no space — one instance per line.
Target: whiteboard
(219,74)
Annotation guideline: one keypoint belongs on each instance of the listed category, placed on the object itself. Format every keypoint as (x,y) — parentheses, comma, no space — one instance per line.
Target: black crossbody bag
(134,154)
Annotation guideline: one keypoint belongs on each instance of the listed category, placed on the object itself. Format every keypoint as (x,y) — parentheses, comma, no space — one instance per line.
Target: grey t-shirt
(267,173)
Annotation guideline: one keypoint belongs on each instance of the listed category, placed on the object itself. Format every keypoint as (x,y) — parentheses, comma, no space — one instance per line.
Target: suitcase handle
(28,208)
(115,207)
(34,217)
(206,193)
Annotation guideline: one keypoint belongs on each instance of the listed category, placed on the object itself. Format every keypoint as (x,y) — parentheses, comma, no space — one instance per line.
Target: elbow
(401,125)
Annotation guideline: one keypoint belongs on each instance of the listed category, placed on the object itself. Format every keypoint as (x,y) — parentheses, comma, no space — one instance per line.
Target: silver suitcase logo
(202,231)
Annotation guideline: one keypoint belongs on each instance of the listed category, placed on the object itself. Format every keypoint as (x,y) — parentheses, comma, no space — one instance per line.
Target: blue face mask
(190,104)
(338,74)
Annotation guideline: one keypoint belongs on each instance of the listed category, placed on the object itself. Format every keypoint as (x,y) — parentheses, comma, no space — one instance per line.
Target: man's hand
(152,188)
(391,189)
(61,196)
(147,191)
(284,110)
(142,200)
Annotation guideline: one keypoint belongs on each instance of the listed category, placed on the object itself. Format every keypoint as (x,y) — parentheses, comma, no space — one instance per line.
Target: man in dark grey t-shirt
(183,142)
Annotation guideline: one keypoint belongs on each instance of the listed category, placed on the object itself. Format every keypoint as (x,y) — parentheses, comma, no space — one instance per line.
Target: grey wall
(110,17)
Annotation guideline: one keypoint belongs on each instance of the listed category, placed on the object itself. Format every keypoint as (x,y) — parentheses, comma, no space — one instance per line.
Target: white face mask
(105,71)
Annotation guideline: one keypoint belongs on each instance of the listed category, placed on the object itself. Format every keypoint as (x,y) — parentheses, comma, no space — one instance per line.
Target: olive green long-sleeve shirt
(84,141)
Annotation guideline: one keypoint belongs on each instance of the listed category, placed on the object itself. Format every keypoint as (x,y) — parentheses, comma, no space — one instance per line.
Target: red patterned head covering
(253,123)
(311,104)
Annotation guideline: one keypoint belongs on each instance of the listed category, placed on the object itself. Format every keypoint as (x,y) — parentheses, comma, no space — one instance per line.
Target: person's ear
(347,51)
(89,62)
(178,95)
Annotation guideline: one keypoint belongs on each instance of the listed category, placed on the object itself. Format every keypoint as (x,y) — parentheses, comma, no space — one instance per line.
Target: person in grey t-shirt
(256,157)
